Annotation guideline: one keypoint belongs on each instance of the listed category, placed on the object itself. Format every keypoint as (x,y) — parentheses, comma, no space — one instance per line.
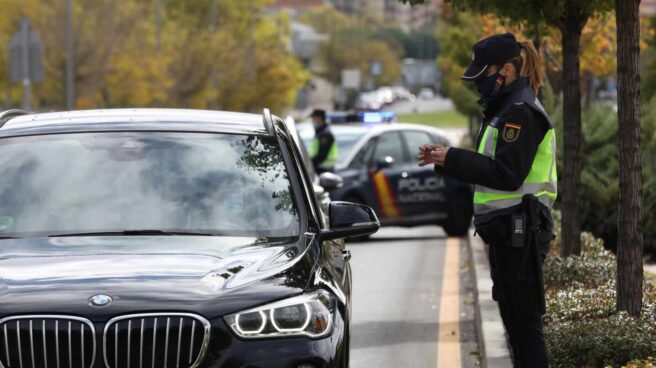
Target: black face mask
(490,86)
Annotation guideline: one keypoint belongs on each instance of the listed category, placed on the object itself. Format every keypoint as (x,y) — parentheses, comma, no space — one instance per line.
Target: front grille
(156,340)
(47,341)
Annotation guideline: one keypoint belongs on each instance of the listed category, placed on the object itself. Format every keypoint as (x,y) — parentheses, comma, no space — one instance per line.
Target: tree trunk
(629,239)
(571,29)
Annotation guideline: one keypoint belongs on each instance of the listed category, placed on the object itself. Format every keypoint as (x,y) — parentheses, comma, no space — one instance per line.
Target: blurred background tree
(354,44)
(126,56)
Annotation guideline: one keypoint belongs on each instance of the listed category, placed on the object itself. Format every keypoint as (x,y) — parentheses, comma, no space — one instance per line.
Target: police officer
(323,150)
(515,156)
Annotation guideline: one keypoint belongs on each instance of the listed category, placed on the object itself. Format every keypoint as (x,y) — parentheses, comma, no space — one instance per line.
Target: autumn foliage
(126,56)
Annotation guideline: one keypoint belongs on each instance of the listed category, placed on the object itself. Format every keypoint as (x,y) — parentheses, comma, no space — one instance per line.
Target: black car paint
(58,275)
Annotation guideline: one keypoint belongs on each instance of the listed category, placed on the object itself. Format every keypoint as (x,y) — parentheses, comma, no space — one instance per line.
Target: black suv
(168,238)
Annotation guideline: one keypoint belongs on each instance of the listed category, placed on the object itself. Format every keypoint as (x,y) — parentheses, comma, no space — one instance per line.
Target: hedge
(582,326)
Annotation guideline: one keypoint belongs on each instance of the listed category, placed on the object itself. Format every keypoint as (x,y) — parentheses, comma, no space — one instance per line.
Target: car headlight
(308,315)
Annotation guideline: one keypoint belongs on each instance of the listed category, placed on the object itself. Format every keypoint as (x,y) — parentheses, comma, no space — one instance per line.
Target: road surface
(412,301)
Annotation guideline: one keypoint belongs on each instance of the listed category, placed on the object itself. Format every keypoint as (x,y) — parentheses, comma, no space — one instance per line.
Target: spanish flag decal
(388,204)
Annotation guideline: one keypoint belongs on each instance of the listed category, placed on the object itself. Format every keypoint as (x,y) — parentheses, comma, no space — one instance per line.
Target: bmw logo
(100,300)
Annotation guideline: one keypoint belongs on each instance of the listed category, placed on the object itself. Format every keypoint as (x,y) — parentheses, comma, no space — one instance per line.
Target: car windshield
(346,137)
(144,182)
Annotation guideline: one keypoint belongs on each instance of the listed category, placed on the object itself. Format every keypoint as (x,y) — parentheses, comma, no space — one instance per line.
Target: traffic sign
(351,78)
(376,68)
(26,55)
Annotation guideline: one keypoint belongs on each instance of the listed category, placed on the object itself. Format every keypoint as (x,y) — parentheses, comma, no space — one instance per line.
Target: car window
(413,139)
(390,144)
(115,181)
(363,157)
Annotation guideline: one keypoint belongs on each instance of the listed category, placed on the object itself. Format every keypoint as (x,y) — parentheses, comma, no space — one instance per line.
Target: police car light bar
(367,117)
(378,117)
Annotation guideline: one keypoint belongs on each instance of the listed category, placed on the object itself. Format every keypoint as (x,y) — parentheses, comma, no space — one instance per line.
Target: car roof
(135,119)
(377,128)
(383,127)
(371,130)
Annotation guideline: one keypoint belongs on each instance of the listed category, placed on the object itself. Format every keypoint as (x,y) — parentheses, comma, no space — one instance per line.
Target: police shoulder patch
(511,132)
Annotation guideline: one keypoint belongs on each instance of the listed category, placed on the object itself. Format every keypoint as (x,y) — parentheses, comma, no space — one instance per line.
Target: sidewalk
(491,334)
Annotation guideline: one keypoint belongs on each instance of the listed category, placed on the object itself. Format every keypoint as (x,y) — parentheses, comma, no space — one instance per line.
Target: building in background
(304,41)
(371,9)
(295,7)
(648,8)
(412,18)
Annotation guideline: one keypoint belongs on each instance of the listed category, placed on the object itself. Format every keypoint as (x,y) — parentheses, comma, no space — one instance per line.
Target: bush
(643,363)
(582,326)
(596,265)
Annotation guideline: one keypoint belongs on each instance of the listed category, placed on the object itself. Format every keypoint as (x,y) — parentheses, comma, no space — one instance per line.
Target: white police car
(378,165)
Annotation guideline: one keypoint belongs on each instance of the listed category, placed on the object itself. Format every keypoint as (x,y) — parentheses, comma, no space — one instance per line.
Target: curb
(494,350)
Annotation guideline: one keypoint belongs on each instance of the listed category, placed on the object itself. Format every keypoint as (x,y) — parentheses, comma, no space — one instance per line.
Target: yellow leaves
(598,43)
(598,46)
(492,24)
(244,65)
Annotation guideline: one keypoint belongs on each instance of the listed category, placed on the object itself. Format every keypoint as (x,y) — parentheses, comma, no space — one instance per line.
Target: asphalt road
(412,301)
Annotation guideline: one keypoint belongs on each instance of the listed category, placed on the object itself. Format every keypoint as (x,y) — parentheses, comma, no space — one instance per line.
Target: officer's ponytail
(531,65)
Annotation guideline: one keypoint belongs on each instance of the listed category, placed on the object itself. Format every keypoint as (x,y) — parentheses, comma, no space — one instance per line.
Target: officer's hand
(424,153)
(438,155)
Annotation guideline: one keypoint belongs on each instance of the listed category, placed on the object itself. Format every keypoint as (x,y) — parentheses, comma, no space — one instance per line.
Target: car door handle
(347,254)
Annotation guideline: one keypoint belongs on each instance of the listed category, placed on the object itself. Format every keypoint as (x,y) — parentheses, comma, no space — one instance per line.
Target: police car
(377,161)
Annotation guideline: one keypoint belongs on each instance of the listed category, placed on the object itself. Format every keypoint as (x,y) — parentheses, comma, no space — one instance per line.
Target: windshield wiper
(134,233)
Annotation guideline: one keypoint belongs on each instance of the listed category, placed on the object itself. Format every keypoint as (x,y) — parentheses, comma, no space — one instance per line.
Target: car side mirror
(349,220)
(330,181)
(385,163)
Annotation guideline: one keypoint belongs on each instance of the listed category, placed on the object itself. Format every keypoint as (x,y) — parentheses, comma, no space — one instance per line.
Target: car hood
(151,273)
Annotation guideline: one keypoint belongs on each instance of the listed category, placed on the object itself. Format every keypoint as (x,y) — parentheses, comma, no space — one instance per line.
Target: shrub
(596,265)
(643,363)
(582,328)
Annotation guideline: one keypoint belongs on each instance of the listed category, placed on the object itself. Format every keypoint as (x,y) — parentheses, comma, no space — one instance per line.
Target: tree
(456,32)
(570,16)
(352,45)
(120,61)
(629,242)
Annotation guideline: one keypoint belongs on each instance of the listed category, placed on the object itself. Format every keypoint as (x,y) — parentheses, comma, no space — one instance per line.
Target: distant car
(426,94)
(378,165)
(369,101)
(168,238)
(401,93)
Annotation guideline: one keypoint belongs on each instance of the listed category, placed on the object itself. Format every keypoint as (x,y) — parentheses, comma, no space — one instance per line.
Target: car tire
(356,199)
(459,215)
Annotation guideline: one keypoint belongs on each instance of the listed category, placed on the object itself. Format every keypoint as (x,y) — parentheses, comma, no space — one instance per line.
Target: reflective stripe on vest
(541,180)
(331,159)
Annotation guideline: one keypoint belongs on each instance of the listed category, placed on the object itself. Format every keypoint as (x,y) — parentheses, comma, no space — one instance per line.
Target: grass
(439,119)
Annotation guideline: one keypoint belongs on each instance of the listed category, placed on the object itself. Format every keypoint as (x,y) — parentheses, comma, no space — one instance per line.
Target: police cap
(492,50)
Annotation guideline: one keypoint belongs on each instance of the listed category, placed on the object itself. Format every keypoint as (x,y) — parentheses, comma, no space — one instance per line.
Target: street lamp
(70,82)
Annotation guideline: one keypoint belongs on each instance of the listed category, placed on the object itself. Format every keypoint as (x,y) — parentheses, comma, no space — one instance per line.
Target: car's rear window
(95,182)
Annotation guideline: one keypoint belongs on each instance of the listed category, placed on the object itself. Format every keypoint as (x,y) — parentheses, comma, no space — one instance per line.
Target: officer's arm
(513,156)
(325,142)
